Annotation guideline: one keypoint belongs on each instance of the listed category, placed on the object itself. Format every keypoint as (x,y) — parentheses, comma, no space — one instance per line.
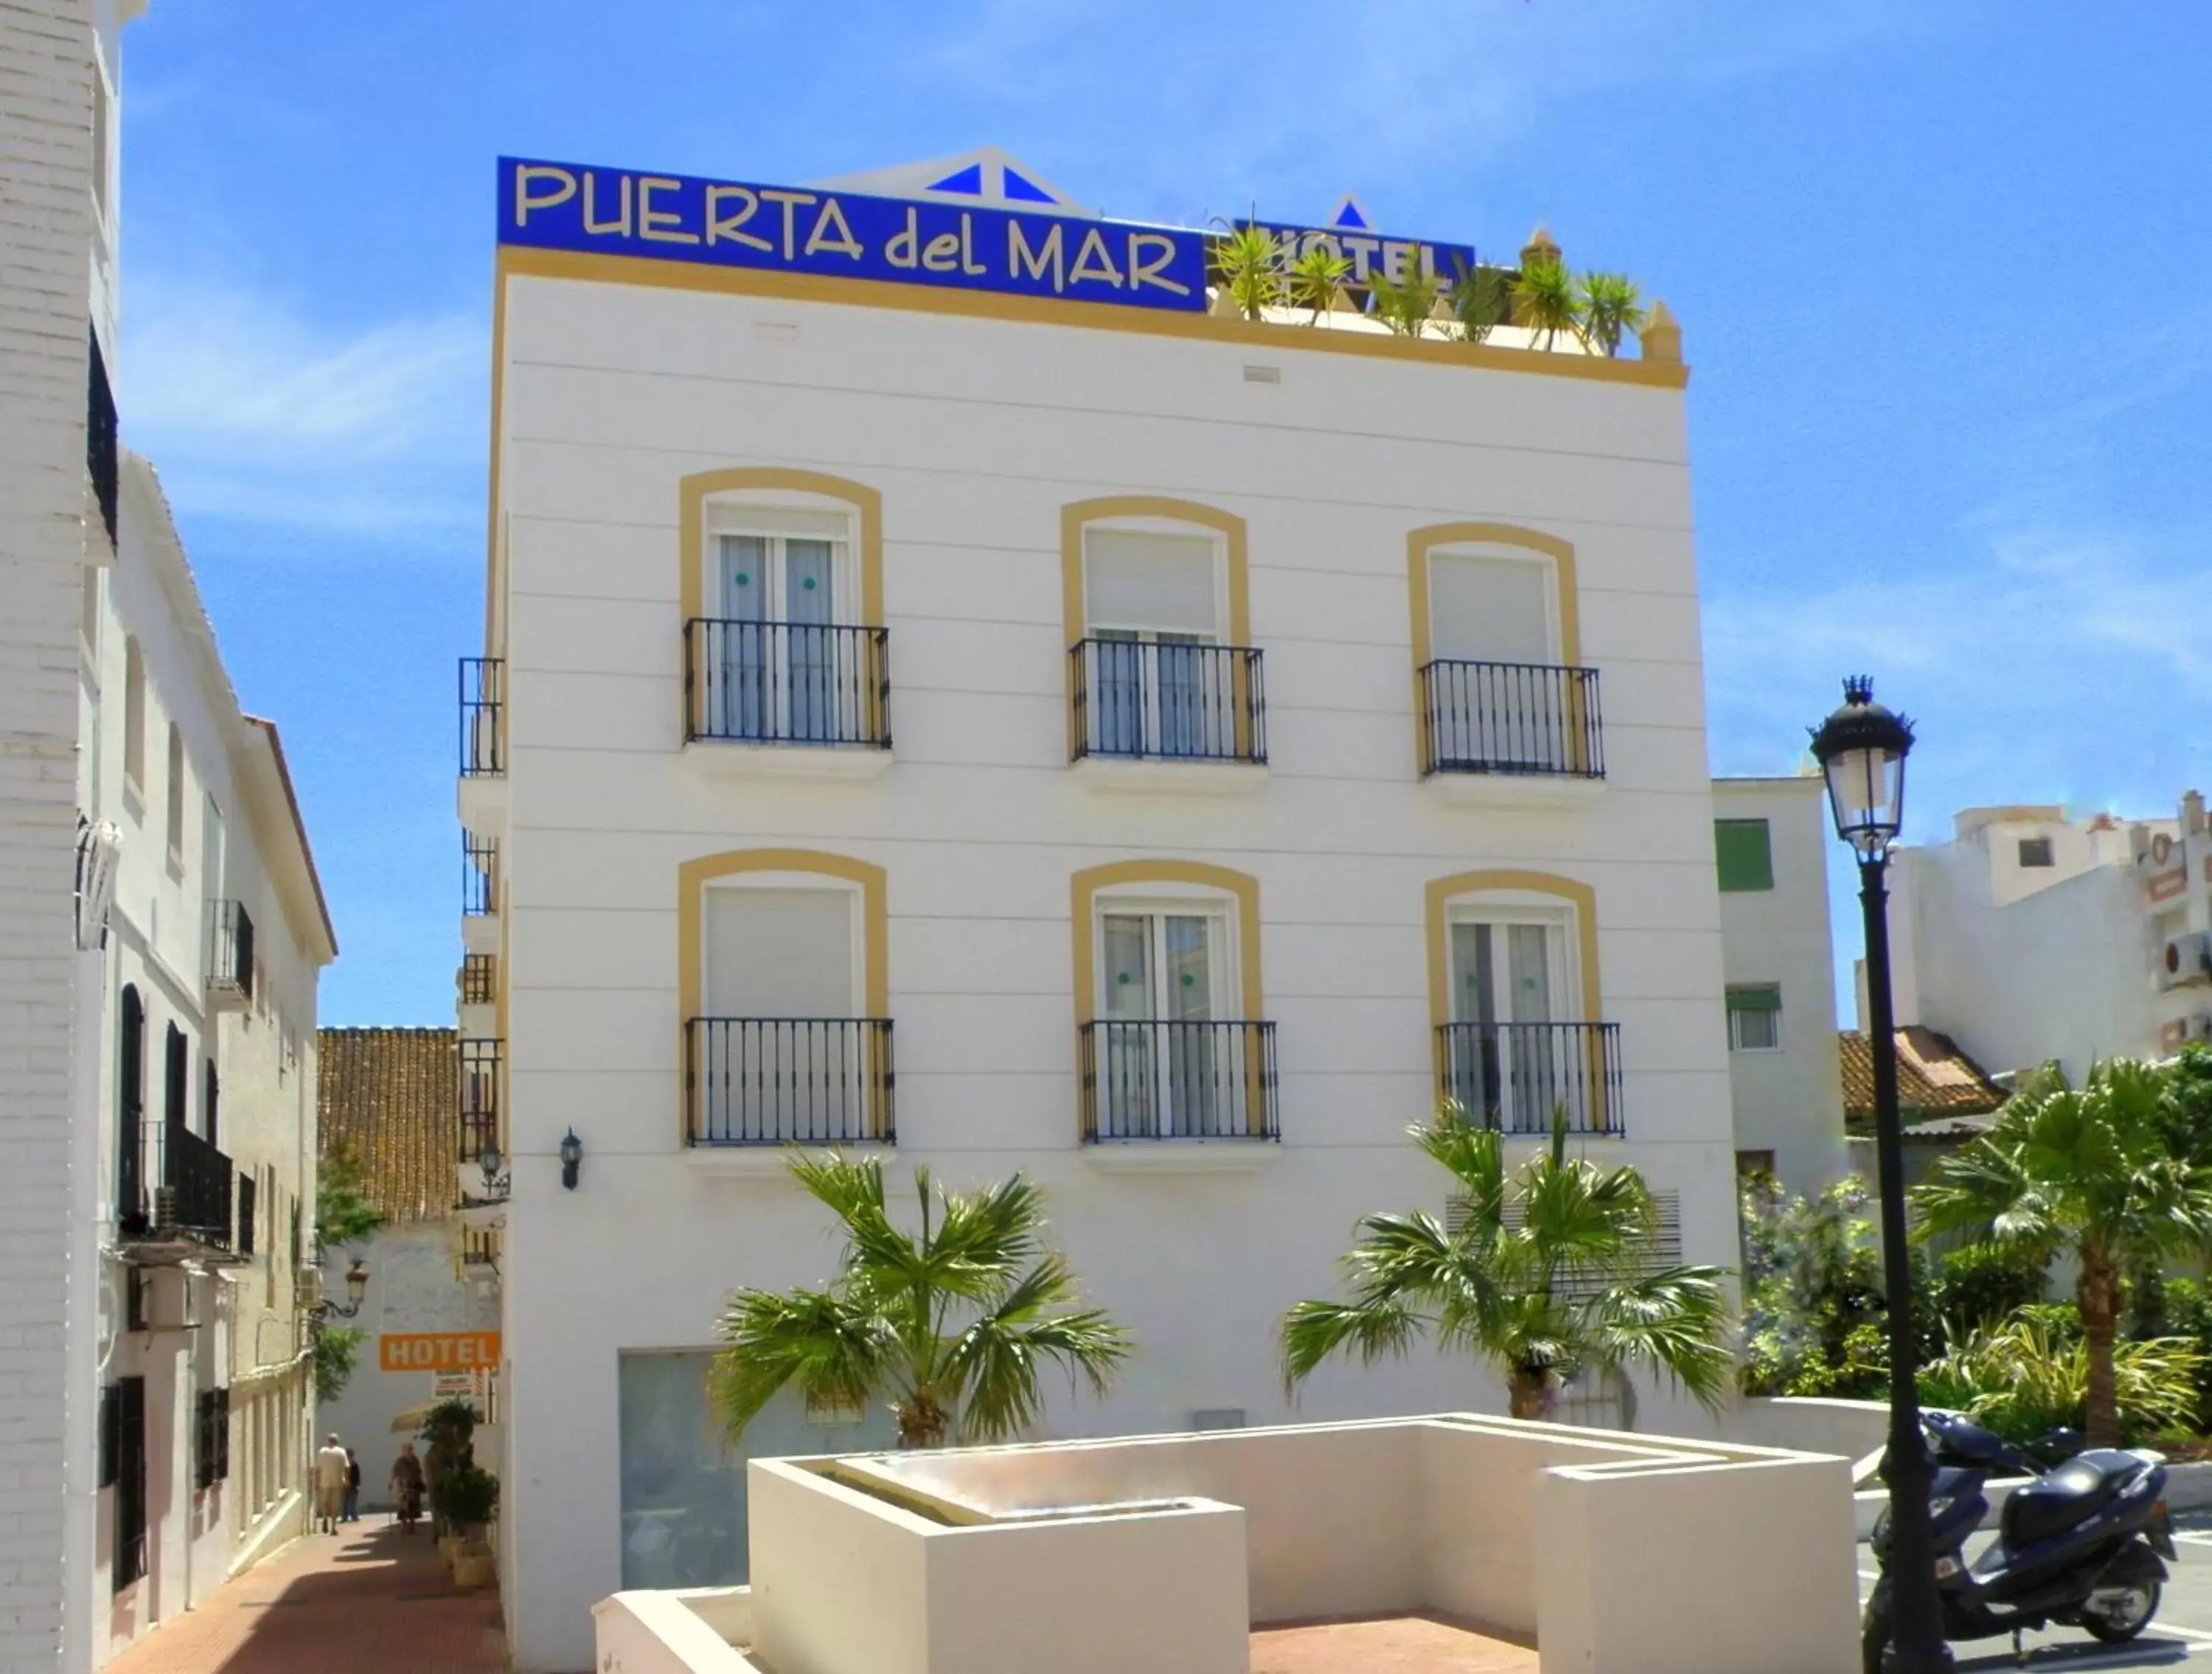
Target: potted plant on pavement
(470,1499)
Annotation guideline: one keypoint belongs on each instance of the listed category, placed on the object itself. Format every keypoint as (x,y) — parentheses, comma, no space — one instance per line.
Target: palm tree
(1248,265)
(1612,308)
(953,1324)
(1317,277)
(1545,299)
(1544,1277)
(1480,300)
(2090,1172)
(1405,305)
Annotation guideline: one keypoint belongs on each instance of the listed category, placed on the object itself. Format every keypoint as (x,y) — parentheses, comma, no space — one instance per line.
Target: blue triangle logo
(1348,215)
(1027,190)
(968,181)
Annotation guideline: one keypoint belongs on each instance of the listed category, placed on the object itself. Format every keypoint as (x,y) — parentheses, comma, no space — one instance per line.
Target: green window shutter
(1745,860)
(1756,997)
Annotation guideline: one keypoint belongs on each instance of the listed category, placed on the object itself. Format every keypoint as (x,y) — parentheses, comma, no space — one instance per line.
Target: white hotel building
(1156,751)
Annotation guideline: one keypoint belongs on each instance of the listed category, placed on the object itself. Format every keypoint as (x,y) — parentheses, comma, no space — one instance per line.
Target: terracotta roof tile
(1934,1078)
(392,1098)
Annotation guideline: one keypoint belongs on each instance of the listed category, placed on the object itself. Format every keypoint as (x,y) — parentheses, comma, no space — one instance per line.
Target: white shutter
(780,952)
(1158,583)
(1490,609)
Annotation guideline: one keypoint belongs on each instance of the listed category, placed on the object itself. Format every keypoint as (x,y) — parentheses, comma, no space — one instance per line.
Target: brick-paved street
(368,1600)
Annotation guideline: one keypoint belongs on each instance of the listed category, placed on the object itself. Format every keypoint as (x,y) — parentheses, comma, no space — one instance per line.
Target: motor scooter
(2081,1545)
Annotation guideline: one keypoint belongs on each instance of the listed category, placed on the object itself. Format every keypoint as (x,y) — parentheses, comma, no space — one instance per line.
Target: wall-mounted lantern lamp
(490,1164)
(571,1159)
(357,1284)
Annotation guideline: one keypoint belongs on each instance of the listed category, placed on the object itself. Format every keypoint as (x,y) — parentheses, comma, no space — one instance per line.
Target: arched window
(1513,992)
(1155,598)
(130,1109)
(781,590)
(1172,1037)
(786,1000)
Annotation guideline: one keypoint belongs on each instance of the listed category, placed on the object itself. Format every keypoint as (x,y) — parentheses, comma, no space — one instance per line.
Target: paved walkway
(368,1600)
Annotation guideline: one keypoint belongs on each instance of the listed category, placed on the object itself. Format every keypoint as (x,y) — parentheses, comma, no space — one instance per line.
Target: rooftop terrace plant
(1248,266)
(1405,304)
(1317,279)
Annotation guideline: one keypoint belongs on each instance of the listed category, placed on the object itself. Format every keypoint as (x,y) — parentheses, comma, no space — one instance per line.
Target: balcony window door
(1150,599)
(1165,968)
(1493,624)
(783,594)
(1508,987)
(781,1053)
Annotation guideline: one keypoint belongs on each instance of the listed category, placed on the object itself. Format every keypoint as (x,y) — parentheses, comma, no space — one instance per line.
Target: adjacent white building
(947,694)
(161,936)
(2034,935)
(1771,838)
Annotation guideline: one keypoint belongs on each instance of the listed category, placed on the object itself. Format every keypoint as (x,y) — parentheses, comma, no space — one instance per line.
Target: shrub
(465,1497)
(1981,1286)
(2026,1376)
(1812,1306)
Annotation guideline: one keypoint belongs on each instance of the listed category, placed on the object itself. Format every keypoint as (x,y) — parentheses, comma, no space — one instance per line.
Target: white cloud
(257,414)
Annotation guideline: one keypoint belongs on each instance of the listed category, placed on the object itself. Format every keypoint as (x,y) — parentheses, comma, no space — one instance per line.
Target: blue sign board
(843,234)
(898,240)
(1370,251)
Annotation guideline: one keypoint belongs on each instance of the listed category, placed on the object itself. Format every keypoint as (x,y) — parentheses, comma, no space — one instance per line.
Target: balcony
(480,1063)
(476,993)
(102,451)
(1176,1083)
(787,698)
(1152,715)
(191,1213)
(483,797)
(230,956)
(755,1081)
(1516,1076)
(479,895)
(1499,731)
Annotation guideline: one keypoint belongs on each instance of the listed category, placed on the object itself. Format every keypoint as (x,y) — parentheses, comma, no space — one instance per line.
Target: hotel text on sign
(437,1351)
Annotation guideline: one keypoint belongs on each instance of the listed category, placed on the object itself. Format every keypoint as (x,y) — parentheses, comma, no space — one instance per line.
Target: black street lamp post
(1861,749)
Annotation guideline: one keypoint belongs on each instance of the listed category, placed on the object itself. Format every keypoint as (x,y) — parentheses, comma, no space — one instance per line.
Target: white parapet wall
(1617,1553)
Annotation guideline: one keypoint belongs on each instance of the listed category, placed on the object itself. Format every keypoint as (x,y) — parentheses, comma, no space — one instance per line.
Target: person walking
(331,1467)
(353,1487)
(406,1486)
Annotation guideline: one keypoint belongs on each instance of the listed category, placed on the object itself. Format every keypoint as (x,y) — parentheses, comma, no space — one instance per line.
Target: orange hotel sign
(437,1351)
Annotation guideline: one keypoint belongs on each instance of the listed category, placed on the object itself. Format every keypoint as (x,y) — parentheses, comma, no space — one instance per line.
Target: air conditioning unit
(2187,958)
(171,1299)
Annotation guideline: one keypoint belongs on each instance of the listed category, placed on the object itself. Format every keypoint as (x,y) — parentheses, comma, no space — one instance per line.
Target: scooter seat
(2072,1494)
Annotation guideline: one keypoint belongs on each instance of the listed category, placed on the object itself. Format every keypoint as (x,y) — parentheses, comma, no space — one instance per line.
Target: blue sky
(1937,265)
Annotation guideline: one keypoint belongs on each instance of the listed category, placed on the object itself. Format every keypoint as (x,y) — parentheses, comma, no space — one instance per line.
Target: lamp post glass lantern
(1861,749)
(356,1282)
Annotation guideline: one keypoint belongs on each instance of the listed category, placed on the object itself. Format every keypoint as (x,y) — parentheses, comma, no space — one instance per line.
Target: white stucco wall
(2063,972)
(1790,1101)
(976,432)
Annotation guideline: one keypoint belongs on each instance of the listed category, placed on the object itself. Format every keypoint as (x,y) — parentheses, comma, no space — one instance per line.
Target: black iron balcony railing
(783,1080)
(1160,1080)
(479,1095)
(787,683)
(230,951)
(1520,1076)
(1508,717)
(483,716)
(194,1194)
(479,878)
(477,981)
(1171,701)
